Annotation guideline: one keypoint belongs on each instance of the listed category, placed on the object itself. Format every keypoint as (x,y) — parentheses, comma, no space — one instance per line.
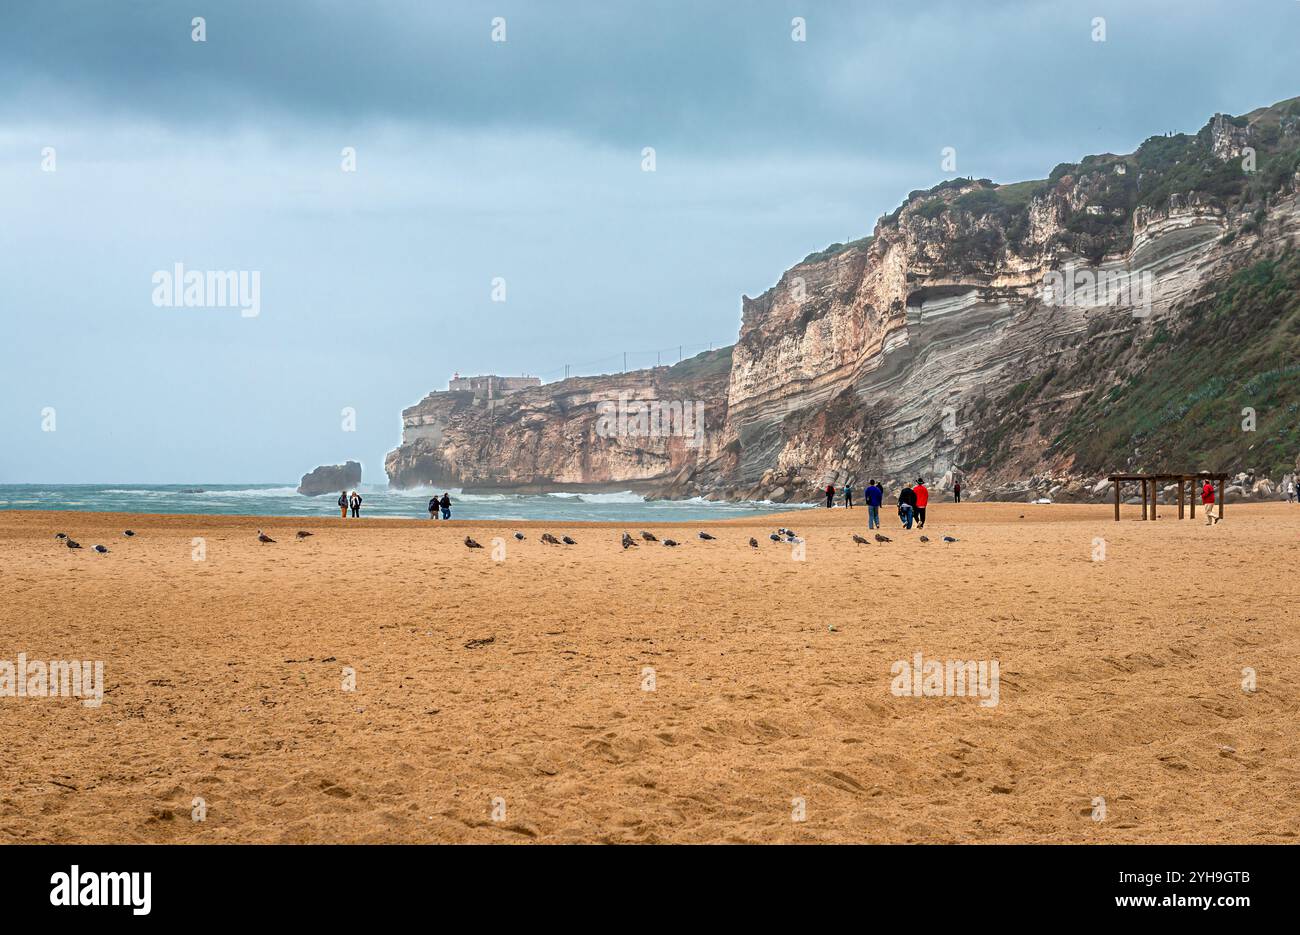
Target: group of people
(352,503)
(912,501)
(443,504)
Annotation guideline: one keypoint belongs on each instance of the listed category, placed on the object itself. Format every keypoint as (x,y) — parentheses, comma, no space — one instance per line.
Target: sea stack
(331,478)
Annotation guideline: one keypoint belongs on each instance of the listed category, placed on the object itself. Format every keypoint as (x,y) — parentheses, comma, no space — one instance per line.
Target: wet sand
(505,701)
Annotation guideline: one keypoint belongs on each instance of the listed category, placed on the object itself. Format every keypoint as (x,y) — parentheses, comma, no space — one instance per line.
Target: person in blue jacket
(875,495)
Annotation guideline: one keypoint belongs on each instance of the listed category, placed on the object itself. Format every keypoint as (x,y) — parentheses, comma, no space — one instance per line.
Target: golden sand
(521,682)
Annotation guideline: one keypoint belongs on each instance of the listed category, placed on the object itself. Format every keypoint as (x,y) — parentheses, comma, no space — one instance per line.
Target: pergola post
(1144,500)
(1182,489)
(1117,499)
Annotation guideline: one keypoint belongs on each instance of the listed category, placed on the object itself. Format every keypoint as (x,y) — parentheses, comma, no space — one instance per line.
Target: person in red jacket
(830,495)
(922,498)
(1207,500)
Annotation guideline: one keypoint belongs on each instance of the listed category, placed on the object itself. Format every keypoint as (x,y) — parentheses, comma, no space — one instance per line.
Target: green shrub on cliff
(1181,402)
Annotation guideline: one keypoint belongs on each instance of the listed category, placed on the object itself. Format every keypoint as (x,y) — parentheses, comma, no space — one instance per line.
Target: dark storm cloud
(711,77)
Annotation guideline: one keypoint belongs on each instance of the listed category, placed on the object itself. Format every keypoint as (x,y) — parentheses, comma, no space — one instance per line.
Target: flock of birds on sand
(781,535)
(72,543)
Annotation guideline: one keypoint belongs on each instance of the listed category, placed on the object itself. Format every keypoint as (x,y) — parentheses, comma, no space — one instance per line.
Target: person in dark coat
(906,506)
(446,506)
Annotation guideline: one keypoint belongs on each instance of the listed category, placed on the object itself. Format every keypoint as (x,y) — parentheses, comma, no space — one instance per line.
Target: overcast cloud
(476,160)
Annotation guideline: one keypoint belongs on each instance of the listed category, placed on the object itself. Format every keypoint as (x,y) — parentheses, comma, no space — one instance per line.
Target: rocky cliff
(642,429)
(1128,312)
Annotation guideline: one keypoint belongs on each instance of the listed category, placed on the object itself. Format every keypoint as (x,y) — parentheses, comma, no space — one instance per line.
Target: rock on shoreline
(330,478)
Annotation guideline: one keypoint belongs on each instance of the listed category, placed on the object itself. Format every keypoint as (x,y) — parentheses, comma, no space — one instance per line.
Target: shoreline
(989,512)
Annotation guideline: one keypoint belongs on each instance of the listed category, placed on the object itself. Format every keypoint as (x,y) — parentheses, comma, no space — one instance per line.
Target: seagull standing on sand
(101,550)
(949,539)
(648,536)
(567,541)
(753,543)
(263,537)
(471,543)
(71,543)
(706,536)
(550,539)
(60,535)
(774,537)
(859,540)
(128,533)
(519,536)
(670,542)
(880,538)
(628,541)
(302,534)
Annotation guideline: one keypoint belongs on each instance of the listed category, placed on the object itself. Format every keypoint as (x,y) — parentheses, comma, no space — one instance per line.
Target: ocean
(282,500)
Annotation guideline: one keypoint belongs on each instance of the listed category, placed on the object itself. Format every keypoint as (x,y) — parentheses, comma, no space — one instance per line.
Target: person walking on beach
(1290,490)
(922,498)
(355,502)
(848,496)
(343,504)
(446,506)
(433,507)
(906,504)
(830,495)
(1207,500)
(956,492)
(874,495)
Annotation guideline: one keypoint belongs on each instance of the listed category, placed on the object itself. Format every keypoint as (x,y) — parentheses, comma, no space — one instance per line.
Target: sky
(499,218)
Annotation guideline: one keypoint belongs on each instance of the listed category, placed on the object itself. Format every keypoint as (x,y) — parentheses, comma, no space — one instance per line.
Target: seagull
(774,537)
(648,536)
(567,541)
(706,536)
(263,537)
(550,539)
(101,550)
(753,543)
(60,535)
(925,538)
(128,533)
(628,541)
(519,536)
(303,534)
(859,540)
(880,538)
(790,532)
(670,542)
(950,539)
(471,543)
(71,543)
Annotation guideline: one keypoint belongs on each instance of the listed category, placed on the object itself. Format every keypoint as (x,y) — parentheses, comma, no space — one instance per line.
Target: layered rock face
(639,430)
(924,349)
(1008,334)
(331,478)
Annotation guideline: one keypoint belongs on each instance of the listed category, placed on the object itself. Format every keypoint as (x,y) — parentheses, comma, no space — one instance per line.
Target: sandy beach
(506,701)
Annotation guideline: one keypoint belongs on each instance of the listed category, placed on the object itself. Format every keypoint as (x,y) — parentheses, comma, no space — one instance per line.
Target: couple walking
(352,503)
(912,503)
(444,504)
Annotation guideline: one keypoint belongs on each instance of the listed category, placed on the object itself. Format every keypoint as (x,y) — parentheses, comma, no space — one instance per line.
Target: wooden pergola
(1153,481)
